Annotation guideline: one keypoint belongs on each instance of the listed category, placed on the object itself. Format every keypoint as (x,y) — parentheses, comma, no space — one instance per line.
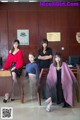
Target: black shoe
(12,99)
(58,102)
(5,101)
(6,98)
(66,105)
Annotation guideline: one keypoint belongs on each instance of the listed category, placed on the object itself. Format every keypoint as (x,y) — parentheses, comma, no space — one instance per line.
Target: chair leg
(39,95)
(22,92)
(39,98)
(77,94)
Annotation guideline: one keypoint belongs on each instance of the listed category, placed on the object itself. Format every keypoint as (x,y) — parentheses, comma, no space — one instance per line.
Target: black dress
(59,91)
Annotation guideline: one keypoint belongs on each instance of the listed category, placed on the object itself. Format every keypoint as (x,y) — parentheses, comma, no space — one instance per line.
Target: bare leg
(11,94)
(48,100)
(49,104)
(14,77)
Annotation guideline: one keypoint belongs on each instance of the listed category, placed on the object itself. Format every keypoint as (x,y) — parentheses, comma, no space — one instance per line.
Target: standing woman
(14,62)
(45,59)
(44,55)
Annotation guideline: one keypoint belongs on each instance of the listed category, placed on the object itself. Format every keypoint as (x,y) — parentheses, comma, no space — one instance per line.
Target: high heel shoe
(5,101)
(48,108)
(6,98)
(12,99)
(66,105)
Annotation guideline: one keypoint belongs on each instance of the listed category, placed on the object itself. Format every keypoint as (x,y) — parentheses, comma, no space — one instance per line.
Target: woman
(14,62)
(44,55)
(44,60)
(59,83)
(33,73)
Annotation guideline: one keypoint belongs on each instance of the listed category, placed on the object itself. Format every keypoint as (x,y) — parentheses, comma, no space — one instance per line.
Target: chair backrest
(74,70)
(43,74)
(78,74)
(5,73)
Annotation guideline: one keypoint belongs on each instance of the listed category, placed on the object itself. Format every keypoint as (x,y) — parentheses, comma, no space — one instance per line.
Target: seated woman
(15,63)
(59,83)
(33,73)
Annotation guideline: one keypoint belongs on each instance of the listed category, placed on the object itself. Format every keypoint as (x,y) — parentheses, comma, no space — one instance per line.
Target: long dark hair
(12,49)
(44,41)
(59,55)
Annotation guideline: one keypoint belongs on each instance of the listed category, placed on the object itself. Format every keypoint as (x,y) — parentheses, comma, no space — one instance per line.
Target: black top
(44,63)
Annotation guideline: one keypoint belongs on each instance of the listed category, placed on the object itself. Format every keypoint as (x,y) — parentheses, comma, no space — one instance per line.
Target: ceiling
(39,0)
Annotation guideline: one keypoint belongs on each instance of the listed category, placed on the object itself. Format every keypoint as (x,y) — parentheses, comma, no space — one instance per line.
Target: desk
(6,84)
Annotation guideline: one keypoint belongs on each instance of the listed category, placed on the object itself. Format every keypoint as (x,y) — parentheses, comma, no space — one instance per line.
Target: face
(16,45)
(78,37)
(31,58)
(44,45)
(57,59)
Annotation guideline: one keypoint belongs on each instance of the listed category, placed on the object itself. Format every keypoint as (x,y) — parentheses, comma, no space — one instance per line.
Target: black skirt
(17,71)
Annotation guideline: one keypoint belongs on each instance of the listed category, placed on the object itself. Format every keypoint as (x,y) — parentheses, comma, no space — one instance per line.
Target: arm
(8,62)
(45,57)
(19,61)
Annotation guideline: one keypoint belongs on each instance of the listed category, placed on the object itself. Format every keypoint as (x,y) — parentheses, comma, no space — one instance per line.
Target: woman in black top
(44,61)
(44,55)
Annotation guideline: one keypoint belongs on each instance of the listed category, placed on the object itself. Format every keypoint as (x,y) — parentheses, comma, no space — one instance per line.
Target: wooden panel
(24,20)
(52,21)
(3,34)
(74,24)
(40,20)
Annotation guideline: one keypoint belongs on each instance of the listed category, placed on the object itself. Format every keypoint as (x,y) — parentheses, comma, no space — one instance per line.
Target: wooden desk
(6,84)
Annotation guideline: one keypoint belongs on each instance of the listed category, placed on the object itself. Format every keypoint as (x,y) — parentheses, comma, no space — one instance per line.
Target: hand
(13,69)
(2,69)
(39,57)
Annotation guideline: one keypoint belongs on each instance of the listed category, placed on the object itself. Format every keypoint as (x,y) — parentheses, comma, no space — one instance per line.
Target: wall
(39,20)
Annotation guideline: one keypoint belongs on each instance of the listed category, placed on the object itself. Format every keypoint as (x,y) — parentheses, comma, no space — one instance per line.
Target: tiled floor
(30,110)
